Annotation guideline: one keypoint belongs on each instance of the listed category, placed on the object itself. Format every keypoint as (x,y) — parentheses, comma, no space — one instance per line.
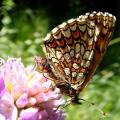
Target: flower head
(26,94)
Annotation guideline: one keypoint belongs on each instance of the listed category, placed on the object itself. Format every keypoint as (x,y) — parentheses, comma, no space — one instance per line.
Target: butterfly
(74,50)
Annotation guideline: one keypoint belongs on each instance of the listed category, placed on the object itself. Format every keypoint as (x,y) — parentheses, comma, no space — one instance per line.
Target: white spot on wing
(63,25)
(74,74)
(66,33)
(77,55)
(90,31)
(67,57)
(71,21)
(86,55)
(82,50)
(75,65)
(90,41)
(82,27)
(58,54)
(87,64)
(80,77)
(72,24)
(97,31)
(91,55)
(77,48)
(48,36)
(56,33)
(72,53)
(55,60)
(67,71)
(82,63)
(54,30)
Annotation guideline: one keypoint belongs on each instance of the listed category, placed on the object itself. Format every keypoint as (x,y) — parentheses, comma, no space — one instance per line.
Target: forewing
(75,48)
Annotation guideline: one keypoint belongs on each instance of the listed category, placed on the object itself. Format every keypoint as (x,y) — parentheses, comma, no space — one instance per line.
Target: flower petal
(29,114)
(2,86)
(22,101)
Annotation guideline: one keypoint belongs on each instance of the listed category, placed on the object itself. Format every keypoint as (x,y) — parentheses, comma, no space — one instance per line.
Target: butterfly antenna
(96,107)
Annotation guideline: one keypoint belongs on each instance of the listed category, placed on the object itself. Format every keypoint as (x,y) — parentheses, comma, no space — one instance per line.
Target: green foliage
(21,35)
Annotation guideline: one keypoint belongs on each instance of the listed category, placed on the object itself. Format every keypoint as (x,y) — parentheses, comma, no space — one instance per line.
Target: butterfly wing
(75,48)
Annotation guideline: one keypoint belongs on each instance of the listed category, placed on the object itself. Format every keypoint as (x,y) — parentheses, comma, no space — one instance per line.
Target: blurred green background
(24,24)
